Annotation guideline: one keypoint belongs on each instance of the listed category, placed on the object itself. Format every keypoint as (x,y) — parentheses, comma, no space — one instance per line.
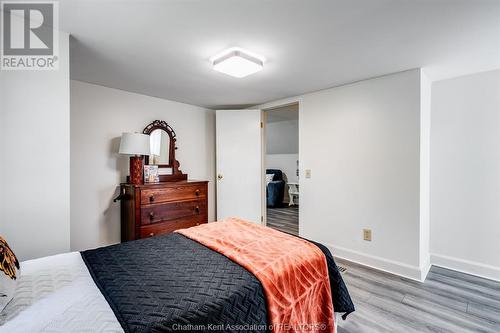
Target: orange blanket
(293,272)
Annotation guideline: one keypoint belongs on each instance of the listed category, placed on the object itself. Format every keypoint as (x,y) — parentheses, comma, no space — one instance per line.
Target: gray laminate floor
(447,301)
(284,219)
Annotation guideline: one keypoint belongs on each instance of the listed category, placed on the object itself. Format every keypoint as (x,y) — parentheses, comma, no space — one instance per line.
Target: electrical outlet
(308,173)
(367,235)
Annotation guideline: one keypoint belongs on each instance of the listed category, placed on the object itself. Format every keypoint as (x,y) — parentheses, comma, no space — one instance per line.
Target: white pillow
(9,273)
(269,178)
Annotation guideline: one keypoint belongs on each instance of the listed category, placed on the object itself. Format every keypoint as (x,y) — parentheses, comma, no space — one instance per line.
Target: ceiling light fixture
(237,62)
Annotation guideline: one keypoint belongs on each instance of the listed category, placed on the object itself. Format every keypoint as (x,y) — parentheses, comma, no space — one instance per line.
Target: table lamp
(136,145)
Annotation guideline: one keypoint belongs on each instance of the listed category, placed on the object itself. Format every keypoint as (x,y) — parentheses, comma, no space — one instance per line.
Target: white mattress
(57,294)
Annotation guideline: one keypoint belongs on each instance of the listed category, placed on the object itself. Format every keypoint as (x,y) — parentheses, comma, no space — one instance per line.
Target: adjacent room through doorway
(282,168)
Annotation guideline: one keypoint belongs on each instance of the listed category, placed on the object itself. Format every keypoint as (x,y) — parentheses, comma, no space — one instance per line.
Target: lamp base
(136,170)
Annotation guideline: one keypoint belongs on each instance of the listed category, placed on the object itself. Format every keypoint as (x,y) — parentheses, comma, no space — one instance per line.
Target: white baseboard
(466,266)
(414,272)
(394,267)
(425,268)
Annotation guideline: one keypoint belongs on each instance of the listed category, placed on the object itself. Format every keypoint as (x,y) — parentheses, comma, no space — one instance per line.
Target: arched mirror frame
(172,162)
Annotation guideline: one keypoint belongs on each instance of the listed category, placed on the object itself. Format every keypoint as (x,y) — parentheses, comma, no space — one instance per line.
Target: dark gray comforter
(171,283)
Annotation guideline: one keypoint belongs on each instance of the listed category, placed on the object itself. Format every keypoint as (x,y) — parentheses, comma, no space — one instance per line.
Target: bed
(160,284)
(275,188)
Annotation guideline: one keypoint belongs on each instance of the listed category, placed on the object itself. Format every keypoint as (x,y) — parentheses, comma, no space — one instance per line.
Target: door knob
(220,176)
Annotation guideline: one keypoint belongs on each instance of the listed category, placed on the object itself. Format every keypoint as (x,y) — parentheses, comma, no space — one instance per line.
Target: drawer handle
(151,198)
(151,215)
(151,234)
(197,209)
(197,193)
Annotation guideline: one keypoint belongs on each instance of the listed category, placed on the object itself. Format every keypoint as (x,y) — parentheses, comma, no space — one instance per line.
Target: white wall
(362,144)
(99,115)
(282,137)
(284,162)
(34,158)
(465,174)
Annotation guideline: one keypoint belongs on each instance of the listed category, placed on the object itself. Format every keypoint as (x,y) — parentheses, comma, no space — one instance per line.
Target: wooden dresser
(152,209)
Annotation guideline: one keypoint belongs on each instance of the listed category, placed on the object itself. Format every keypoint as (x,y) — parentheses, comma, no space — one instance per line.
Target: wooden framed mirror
(163,147)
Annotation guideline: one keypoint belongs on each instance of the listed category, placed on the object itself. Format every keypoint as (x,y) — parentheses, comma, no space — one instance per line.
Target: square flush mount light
(237,62)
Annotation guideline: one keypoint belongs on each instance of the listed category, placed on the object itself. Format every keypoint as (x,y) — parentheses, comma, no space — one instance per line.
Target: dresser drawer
(166,227)
(152,209)
(157,213)
(174,193)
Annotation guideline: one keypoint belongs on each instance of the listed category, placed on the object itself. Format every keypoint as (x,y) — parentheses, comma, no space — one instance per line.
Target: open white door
(239,164)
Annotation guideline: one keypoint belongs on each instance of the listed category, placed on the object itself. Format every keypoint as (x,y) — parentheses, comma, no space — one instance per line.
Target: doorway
(281,162)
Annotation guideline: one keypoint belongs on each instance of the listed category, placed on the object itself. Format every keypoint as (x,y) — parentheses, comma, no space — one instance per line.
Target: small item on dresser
(9,265)
(137,145)
(151,174)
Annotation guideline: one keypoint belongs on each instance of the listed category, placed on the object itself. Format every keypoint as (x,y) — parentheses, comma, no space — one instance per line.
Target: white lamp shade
(134,144)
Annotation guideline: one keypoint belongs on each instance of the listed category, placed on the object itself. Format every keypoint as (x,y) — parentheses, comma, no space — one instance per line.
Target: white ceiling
(161,47)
